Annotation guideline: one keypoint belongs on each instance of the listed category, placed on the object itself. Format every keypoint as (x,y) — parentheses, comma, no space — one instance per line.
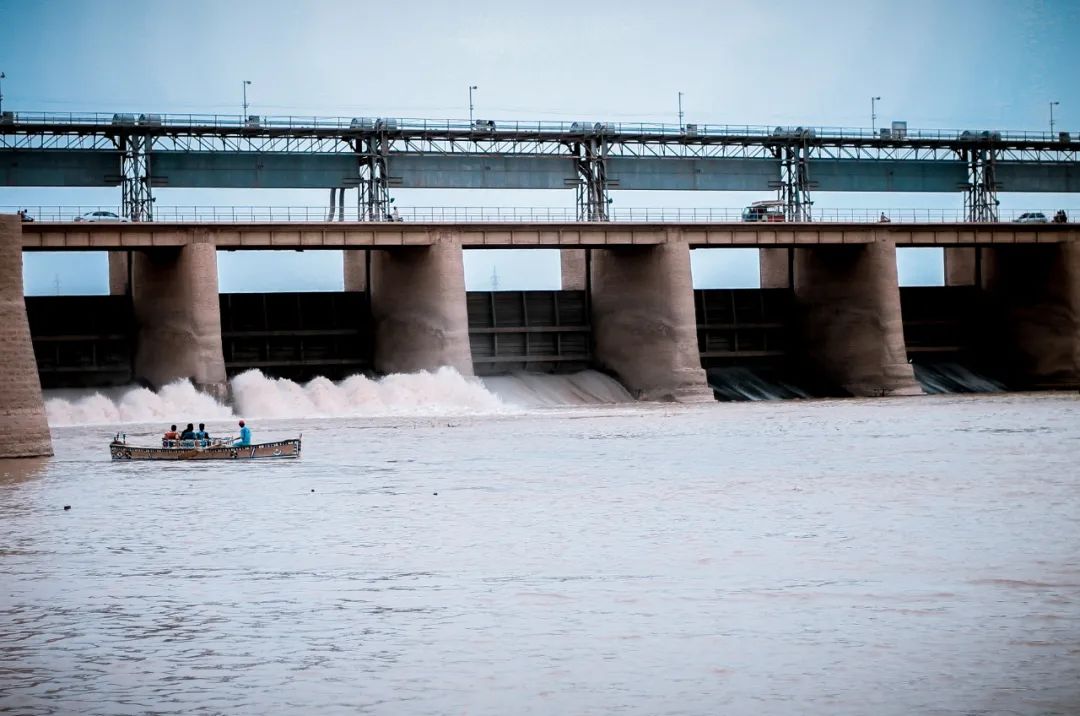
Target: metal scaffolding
(373,195)
(980,193)
(592,194)
(137,201)
(794,189)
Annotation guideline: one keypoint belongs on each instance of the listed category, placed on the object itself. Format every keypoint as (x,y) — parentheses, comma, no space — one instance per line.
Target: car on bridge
(1032,217)
(771,210)
(93,216)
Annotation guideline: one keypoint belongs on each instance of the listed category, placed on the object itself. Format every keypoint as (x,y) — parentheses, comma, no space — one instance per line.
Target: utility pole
(680,112)
(243,117)
(2,76)
(1052,105)
(494,278)
(873,114)
(471,88)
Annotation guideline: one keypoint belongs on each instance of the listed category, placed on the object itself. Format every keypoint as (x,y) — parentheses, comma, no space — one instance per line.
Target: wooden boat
(204,450)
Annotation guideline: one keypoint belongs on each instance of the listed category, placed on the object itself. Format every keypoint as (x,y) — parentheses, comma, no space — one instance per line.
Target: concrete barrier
(852,332)
(418,303)
(22,411)
(644,325)
(572,269)
(178,317)
(355,269)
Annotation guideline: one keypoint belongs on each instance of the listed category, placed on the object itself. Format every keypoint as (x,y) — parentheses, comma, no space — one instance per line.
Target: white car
(1032,217)
(100,216)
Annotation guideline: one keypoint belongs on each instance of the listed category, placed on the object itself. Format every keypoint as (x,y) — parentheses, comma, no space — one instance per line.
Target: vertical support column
(1034,295)
(853,332)
(774,268)
(960,265)
(572,266)
(355,267)
(418,303)
(178,316)
(22,410)
(118,273)
(644,324)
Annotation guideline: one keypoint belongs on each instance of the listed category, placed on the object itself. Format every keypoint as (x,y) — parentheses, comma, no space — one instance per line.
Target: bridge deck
(72,236)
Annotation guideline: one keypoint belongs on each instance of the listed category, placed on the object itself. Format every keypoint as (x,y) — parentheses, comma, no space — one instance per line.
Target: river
(888,556)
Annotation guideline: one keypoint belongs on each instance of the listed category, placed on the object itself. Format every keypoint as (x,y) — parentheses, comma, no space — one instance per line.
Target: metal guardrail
(482,214)
(481,126)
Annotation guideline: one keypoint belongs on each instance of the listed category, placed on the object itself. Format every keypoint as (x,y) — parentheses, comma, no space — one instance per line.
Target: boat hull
(281,450)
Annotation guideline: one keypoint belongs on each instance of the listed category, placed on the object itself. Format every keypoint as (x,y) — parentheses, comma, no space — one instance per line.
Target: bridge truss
(595,152)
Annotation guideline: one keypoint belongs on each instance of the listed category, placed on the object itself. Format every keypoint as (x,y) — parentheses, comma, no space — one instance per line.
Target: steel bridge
(142,152)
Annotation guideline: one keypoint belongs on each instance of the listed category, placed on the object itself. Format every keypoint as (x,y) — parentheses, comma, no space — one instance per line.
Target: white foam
(132,405)
(254,395)
(441,392)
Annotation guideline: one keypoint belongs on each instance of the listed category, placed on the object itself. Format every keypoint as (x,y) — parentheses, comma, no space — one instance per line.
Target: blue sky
(957,64)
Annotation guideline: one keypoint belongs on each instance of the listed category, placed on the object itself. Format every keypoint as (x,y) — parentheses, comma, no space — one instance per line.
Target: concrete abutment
(419,308)
(22,410)
(178,317)
(644,323)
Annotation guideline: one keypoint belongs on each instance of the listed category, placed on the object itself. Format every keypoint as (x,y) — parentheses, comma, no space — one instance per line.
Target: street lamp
(873,114)
(2,76)
(243,117)
(471,88)
(680,112)
(1052,105)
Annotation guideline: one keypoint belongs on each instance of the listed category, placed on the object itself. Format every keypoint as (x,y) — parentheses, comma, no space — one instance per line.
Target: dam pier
(830,305)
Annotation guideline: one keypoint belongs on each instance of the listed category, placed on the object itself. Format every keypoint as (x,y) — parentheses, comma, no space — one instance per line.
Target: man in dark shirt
(189,432)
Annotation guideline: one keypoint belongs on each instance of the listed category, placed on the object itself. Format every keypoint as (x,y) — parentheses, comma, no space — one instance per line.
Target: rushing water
(890,556)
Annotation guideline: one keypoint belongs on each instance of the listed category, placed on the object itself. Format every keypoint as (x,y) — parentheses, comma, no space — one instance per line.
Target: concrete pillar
(355,267)
(960,266)
(572,262)
(418,304)
(774,268)
(118,273)
(644,324)
(178,317)
(1033,292)
(852,330)
(22,411)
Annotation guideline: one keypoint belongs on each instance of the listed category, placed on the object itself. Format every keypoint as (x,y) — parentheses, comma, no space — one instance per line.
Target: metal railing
(485,214)
(539,128)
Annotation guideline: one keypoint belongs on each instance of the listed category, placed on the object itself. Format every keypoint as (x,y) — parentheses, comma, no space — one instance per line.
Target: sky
(957,64)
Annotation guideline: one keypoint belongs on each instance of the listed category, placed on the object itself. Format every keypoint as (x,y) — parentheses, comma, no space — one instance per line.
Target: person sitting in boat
(169,437)
(245,436)
(189,432)
(202,436)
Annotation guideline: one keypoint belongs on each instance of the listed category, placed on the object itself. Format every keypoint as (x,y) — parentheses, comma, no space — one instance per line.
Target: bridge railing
(486,214)
(479,127)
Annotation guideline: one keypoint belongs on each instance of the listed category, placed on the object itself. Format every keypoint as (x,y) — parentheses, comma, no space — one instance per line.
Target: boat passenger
(189,432)
(202,436)
(169,437)
(245,436)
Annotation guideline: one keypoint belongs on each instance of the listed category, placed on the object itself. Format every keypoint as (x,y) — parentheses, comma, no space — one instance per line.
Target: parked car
(1032,217)
(100,216)
(772,210)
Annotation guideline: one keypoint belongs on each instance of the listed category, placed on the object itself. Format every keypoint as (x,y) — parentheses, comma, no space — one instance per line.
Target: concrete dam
(830,310)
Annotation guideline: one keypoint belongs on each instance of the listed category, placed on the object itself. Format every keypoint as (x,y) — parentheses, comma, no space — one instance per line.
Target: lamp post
(680,112)
(471,88)
(873,114)
(2,76)
(1052,105)
(243,117)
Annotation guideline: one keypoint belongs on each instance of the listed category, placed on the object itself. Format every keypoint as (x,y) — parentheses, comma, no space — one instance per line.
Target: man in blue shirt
(245,436)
